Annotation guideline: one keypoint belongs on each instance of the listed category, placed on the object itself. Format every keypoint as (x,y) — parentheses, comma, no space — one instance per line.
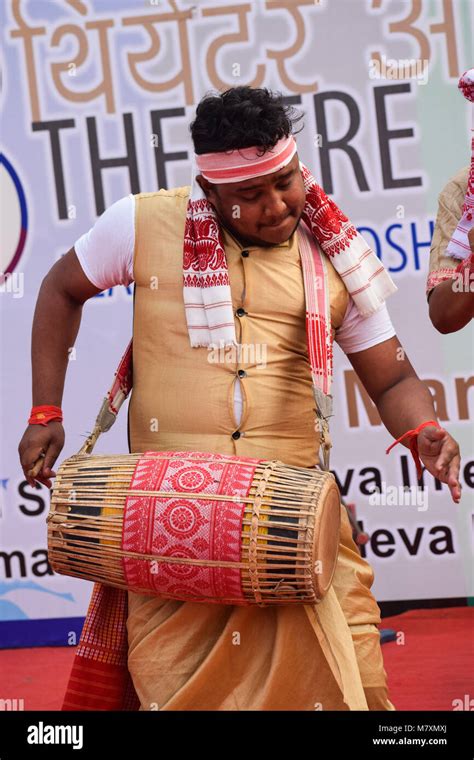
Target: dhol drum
(196,526)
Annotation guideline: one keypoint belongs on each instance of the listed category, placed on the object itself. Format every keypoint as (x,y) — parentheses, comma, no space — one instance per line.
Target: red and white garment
(206,286)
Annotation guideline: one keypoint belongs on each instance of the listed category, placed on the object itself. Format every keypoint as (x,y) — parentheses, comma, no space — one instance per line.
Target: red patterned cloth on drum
(190,528)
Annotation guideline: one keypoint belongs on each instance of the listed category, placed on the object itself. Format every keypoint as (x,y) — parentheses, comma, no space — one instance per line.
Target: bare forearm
(450,310)
(405,406)
(55,326)
(404,402)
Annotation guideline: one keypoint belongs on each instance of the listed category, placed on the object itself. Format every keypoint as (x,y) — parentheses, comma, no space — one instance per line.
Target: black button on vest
(241,312)
(236,434)
(242,373)
(244,253)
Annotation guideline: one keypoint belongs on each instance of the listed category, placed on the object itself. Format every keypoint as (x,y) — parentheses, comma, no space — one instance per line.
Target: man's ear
(207,188)
(203,183)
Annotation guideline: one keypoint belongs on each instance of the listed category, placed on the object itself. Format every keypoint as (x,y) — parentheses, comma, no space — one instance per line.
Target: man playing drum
(228,255)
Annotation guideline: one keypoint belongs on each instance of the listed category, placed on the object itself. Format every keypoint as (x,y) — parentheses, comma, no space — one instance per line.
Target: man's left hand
(439,452)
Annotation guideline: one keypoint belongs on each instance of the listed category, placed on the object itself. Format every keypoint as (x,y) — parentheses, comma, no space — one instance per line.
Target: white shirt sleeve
(357,333)
(105,253)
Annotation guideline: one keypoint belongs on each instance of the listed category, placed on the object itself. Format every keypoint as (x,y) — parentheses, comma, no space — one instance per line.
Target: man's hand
(38,441)
(439,452)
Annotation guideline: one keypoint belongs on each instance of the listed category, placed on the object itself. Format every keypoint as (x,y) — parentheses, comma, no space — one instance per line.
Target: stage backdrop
(97,96)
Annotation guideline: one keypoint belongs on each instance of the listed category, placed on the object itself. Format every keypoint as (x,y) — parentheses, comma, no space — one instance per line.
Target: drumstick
(33,471)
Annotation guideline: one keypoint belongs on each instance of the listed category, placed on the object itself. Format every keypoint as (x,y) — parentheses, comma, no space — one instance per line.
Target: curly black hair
(241,117)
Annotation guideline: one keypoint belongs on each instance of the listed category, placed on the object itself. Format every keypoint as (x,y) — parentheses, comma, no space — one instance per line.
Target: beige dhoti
(186,656)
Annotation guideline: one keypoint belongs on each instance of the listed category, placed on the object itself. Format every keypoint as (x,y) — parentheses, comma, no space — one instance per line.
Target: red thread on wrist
(413,443)
(41,415)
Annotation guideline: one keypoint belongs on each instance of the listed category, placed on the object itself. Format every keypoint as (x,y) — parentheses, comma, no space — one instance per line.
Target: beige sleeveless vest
(182,397)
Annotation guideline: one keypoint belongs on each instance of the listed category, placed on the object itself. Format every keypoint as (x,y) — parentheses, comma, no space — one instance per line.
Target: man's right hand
(41,440)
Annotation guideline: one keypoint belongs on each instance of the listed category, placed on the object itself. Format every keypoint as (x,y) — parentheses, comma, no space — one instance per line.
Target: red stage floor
(429,671)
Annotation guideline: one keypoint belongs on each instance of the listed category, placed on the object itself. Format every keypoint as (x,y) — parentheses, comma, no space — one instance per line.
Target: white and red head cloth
(458,247)
(207,295)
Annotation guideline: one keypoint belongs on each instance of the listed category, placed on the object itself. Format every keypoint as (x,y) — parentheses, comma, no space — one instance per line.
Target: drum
(196,526)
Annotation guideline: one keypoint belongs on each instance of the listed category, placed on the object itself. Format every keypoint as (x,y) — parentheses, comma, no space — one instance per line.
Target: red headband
(245,163)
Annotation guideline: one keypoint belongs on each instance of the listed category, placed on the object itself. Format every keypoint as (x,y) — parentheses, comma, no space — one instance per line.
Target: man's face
(263,211)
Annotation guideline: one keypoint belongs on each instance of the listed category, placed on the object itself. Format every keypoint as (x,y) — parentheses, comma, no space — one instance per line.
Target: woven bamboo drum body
(196,526)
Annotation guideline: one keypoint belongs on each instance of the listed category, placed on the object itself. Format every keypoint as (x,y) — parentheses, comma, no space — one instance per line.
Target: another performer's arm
(451,309)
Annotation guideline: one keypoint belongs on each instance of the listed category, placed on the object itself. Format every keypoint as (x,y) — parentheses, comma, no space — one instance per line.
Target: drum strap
(319,333)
